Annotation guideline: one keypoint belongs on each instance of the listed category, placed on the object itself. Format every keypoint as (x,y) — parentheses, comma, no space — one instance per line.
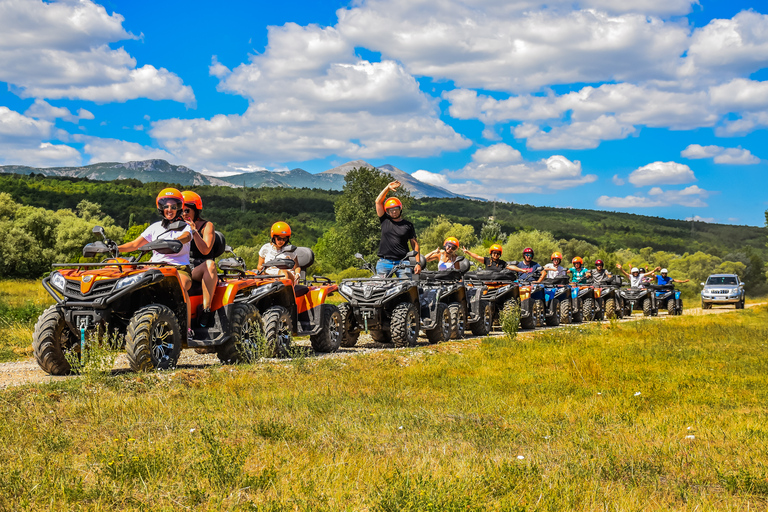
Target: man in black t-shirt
(396,232)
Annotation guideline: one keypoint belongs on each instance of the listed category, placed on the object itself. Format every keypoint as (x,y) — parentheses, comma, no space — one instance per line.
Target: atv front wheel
(610,309)
(247,340)
(647,311)
(404,327)
(53,341)
(588,309)
(349,334)
(329,337)
(458,320)
(539,313)
(153,339)
(444,328)
(553,320)
(278,331)
(671,307)
(565,311)
(484,325)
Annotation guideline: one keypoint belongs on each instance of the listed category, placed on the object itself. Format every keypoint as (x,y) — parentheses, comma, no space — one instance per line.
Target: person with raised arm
(492,262)
(396,232)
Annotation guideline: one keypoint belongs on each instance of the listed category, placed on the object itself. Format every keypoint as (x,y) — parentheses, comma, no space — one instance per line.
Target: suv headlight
(58,281)
(128,281)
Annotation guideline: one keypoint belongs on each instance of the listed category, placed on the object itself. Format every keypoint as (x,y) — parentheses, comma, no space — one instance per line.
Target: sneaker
(190,334)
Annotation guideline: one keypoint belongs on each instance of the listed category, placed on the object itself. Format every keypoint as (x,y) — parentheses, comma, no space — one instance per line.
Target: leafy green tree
(441,228)
(491,233)
(542,243)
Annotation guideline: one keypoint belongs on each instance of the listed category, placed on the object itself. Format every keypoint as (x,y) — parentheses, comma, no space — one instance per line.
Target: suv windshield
(722,280)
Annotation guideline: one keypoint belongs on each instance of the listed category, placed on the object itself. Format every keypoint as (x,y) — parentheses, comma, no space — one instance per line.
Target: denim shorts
(385,266)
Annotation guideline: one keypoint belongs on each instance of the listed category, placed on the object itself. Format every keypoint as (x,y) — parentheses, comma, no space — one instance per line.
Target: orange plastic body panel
(314,297)
(88,277)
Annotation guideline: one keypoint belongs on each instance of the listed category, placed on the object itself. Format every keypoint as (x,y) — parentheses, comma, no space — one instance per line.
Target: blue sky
(659,109)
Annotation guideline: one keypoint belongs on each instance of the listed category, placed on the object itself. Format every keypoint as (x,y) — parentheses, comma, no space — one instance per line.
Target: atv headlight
(393,291)
(345,289)
(58,281)
(128,281)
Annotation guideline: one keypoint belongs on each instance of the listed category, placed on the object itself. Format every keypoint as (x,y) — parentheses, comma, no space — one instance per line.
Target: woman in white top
(446,255)
(169,204)
(281,236)
(635,276)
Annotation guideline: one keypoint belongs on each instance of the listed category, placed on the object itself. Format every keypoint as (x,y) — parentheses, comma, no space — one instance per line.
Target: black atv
(609,303)
(667,297)
(498,291)
(637,299)
(388,306)
(557,296)
(582,302)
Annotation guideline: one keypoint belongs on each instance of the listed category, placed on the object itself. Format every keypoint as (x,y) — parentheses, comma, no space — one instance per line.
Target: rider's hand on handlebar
(417,269)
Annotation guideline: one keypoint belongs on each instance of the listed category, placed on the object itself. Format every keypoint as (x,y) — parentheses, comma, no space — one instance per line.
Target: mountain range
(157,170)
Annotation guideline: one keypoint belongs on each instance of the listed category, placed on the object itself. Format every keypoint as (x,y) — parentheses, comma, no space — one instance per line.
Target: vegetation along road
(22,372)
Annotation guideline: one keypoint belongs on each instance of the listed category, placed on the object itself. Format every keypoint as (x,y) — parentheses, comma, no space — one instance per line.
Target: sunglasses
(450,247)
(495,253)
(599,265)
(173,207)
(186,210)
(527,255)
(282,238)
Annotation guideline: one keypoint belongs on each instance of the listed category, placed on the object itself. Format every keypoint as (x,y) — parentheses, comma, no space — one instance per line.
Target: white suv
(722,289)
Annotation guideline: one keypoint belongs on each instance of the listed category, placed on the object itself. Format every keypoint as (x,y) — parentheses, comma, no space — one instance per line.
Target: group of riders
(397,232)
(195,261)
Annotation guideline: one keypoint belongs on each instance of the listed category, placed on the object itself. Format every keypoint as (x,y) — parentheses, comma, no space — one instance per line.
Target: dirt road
(23,372)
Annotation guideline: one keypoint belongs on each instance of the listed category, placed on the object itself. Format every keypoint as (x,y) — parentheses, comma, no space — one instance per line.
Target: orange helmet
(496,247)
(451,240)
(167,196)
(192,198)
(577,260)
(556,255)
(393,202)
(280,229)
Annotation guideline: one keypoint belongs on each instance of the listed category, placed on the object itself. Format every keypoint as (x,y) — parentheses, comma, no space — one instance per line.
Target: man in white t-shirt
(553,270)
(169,203)
(635,276)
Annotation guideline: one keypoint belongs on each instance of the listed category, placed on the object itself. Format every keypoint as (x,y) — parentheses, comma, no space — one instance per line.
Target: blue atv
(557,301)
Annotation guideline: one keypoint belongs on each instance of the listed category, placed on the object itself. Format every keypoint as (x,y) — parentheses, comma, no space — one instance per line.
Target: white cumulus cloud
(692,197)
(721,155)
(60,49)
(662,173)
(115,150)
(431,178)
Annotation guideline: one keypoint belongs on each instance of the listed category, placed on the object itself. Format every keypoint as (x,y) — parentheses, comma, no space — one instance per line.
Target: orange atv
(289,309)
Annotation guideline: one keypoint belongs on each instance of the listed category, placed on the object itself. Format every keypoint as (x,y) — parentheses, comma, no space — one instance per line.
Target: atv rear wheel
(404,326)
(565,311)
(444,327)
(539,313)
(247,336)
(680,306)
(278,331)
(380,336)
(611,309)
(153,339)
(484,325)
(458,320)
(588,309)
(348,335)
(329,337)
(647,311)
(53,341)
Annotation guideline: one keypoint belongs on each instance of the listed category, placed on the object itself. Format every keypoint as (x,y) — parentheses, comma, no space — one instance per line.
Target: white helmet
(664,271)
(634,269)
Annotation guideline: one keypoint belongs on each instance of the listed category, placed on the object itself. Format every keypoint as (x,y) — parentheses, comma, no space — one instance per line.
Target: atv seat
(555,281)
(195,289)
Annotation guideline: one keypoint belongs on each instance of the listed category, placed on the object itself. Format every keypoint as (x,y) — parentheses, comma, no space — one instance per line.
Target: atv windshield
(722,280)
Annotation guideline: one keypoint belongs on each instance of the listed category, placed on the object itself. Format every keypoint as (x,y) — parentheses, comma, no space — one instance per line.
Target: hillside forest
(48,219)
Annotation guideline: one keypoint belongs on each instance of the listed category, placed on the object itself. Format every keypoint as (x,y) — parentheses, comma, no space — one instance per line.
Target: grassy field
(21,302)
(643,415)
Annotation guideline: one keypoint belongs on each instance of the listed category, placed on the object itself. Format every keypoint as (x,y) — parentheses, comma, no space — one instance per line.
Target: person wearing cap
(528,270)
(663,279)
(600,275)
(446,255)
(396,232)
(635,276)
(492,262)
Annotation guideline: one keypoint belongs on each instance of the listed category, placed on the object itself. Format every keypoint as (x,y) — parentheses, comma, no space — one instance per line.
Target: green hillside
(245,215)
